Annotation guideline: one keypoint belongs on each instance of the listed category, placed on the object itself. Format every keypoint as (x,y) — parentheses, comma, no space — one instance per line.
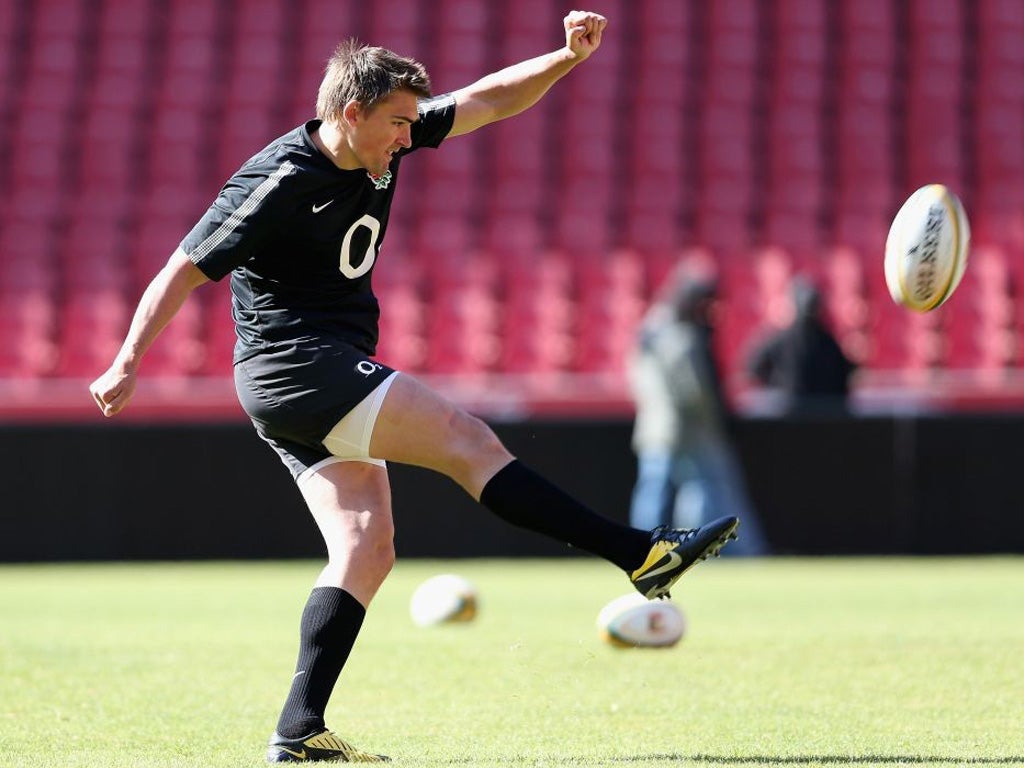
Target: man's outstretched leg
(417,426)
(654,559)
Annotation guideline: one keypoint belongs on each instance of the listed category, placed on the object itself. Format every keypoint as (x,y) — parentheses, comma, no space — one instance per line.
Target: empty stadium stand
(763,137)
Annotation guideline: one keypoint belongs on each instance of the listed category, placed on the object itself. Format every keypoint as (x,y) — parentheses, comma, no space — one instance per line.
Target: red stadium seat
(724,229)
(654,229)
(28,258)
(450,177)
(122,54)
(28,330)
(731,42)
(514,236)
(998,134)
(741,312)
(93,256)
(584,155)
(174,149)
(262,17)
(937,16)
(193,35)
(538,347)
(185,18)
(322,26)
(935,90)
(877,17)
(123,91)
(802,16)
(219,328)
(523,24)
(104,201)
(797,231)
(462,47)
(980,316)
(539,315)
(10,15)
(243,131)
(612,301)
(108,147)
(865,163)
(738,17)
(887,341)
(520,167)
(38,144)
(180,349)
(119,20)
(796,183)
(56,53)
(846,298)
(254,74)
(151,245)
(926,347)
(177,201)
(443,239)
(58,19)
(92,328)
(725,140)
(865,116)
(661,83)
(978,321)
(527,17)
(586,171)
(464,323)
(398,25)
(724,176)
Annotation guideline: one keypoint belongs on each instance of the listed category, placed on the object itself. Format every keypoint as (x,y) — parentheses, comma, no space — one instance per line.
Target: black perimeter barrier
(866,485)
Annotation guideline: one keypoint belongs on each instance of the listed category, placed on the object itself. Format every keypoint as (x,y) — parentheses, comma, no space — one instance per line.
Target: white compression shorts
(349,439)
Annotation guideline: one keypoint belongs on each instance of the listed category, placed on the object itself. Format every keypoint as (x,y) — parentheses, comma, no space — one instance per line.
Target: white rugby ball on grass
(926,251)
(446,598)
(633,621)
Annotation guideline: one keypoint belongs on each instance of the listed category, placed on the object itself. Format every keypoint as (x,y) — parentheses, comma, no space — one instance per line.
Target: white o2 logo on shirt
(369,257)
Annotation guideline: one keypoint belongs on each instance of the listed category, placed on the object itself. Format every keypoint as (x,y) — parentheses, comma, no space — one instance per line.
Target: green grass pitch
(793,662)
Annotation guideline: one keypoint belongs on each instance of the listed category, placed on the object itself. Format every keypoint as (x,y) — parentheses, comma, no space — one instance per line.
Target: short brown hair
(366,74)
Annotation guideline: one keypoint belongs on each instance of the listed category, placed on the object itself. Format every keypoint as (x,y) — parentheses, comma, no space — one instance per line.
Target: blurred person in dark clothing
(687,469)
(803,363)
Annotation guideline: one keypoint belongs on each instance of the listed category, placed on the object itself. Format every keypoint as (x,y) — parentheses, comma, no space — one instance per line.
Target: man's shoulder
(288,165)
(292,148)
(437,115)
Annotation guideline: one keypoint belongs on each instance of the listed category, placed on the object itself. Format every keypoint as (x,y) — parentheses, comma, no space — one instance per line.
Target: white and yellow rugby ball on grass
(926,251)
(633,621)
(443,599)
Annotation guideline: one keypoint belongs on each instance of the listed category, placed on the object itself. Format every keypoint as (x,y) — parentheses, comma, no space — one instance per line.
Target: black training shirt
(300,237)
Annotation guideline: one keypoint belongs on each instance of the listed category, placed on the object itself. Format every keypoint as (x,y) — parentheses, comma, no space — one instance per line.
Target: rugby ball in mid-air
(633,621)
(926,251)
(443,599)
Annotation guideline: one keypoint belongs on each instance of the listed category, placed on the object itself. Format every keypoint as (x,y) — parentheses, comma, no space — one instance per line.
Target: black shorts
(297,395)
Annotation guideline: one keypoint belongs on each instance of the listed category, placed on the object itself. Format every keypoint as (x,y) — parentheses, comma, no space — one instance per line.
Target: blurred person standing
(687,468)
(803,364)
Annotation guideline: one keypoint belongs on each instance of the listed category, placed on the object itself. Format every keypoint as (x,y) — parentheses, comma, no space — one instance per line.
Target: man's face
(376,134)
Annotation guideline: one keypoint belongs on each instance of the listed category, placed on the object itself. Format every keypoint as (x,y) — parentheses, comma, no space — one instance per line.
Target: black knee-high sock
(524,498)
(330,623)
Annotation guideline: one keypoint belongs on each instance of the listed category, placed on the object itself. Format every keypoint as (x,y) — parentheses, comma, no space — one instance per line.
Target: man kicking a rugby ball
(298,228)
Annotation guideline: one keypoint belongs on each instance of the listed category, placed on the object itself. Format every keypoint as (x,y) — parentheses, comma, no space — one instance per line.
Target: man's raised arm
(513,89)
